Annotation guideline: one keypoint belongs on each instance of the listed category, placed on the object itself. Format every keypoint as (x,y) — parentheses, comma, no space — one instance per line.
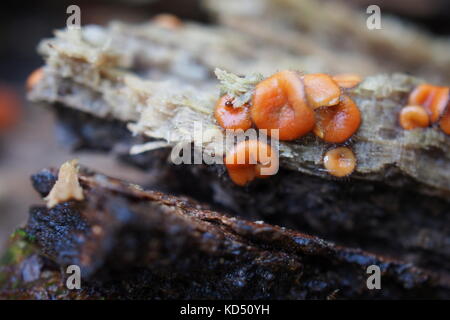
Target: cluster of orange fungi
(294,104)
(427,104)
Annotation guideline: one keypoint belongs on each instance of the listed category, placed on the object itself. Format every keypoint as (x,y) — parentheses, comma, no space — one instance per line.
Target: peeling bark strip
(156,244)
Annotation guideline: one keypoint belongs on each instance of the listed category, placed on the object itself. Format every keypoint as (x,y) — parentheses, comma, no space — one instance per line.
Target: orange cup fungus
(340,162)
(34,78)
(433,98)
(412,117)
(280,103)
(347,80)
(230,117)
(338,123)
(167,21)
(321,90)
(251,159)
(427,104)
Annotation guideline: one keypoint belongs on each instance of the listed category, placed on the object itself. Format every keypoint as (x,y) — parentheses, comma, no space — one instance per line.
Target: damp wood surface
(153,244)
(164,83)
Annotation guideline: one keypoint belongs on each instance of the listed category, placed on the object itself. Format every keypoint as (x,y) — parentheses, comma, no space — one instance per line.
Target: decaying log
(395,203)
(132,243)
(147,98)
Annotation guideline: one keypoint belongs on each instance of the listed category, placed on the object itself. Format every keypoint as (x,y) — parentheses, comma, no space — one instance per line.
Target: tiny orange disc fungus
(280,103)
(444,123)
(412,117)
(433,98)
(340,162)
(321,90)
(347,80)
(336,124)
(34,78)
(9,108)
(167,21)
(229,117)
(251,159)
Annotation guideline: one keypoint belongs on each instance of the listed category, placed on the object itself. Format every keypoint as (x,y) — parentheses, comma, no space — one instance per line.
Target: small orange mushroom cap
(321,90)
(336,124)
(412,117)
(167,21)
(347,80)
(251,159)
(433,98)
(242,176)
(340,162)
(229,117)
(34,78)
(280,103)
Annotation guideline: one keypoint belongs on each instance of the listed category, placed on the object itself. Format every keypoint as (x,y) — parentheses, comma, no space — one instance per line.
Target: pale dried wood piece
(168,109)
(67,187)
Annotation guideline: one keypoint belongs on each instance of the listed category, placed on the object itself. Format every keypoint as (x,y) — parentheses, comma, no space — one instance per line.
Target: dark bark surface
(132,243)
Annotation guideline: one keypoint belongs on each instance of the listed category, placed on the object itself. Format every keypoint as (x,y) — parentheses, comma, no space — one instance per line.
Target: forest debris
(67,186)
(239,88)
